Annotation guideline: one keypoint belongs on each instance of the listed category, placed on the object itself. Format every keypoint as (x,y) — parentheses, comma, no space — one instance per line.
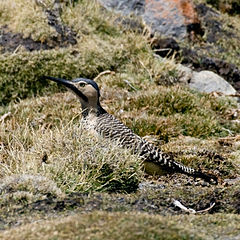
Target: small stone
(185,74)
(207,81)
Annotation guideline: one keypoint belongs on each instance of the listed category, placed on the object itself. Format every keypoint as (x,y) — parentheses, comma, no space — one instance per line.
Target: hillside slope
(57,181)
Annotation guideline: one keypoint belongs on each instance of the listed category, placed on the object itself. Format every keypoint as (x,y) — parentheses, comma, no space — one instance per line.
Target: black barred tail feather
(151,153)
(194,173)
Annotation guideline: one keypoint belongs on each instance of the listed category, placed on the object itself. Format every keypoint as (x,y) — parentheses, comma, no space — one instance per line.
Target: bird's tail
(178,167)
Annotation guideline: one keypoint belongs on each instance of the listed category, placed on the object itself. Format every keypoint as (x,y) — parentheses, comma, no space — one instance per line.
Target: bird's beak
(68,84)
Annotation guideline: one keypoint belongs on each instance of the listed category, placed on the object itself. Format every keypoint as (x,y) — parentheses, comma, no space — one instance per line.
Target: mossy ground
(105,225)
(53,170)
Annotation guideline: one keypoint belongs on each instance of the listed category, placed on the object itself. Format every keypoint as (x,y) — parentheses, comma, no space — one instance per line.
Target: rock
(172,18)
(164,47)
(185,74)
(199,62)
(202,58)
(125,7)
(207,81)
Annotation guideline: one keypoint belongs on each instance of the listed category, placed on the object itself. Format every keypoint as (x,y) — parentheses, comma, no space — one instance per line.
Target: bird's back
(111,128)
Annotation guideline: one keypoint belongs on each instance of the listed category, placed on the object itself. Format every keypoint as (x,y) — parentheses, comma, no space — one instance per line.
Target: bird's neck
(90,110)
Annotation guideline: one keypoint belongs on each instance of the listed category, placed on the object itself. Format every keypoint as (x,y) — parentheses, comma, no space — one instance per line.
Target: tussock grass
(101,45)
(174,111)
(46,153)
(62,151)
(25,188)
(21,73)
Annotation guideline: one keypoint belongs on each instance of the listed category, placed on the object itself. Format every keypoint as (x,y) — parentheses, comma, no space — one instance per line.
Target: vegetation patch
(173,111)
(63,151)
(56,173)
(102,225)
(227,6)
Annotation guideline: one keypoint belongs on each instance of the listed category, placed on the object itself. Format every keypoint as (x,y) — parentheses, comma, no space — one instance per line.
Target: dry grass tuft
(62,151)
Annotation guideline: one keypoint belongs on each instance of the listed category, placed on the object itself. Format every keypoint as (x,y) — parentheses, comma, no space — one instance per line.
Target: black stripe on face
(69,85)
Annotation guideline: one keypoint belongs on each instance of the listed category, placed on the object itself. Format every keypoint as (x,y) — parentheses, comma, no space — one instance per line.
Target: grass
(104,225)
(174,111)
(31,21)
(229,6)
(62,151)
(221,37)
(101,45)
(46,155)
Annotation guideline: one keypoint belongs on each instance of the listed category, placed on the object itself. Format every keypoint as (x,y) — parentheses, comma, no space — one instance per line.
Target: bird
(99,121)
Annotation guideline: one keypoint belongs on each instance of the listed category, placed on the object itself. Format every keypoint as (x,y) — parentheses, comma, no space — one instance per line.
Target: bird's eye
(82,84)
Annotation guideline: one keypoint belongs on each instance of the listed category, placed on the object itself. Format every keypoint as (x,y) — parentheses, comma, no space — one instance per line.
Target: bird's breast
(89,124)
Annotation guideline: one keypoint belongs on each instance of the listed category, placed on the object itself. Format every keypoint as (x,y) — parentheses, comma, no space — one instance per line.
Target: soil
(10,41)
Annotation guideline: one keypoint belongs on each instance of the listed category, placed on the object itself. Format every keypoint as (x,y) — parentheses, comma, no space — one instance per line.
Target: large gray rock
(168,17)
(125,7)
(207,81)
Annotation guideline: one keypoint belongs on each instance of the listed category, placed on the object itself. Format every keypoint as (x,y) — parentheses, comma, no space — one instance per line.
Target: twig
(5,116)
(130,85)
(103,73)
(207,209)
(16,49)
(234,95)
(40,3)
(190,210)
(176,203)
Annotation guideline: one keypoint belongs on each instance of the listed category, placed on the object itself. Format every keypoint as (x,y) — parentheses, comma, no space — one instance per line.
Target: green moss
(174,111)
(21,74)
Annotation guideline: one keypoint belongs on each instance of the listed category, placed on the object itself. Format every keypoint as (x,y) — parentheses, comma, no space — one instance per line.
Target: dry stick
(190,210)
(5,116)
(234,95)
(16,49)
(130,85)
(103,73)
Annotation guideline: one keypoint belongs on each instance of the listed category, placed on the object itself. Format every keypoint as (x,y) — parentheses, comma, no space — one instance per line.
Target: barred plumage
(109,127)
(106,125)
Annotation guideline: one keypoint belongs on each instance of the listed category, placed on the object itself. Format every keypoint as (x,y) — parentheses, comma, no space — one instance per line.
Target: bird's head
(86,90)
